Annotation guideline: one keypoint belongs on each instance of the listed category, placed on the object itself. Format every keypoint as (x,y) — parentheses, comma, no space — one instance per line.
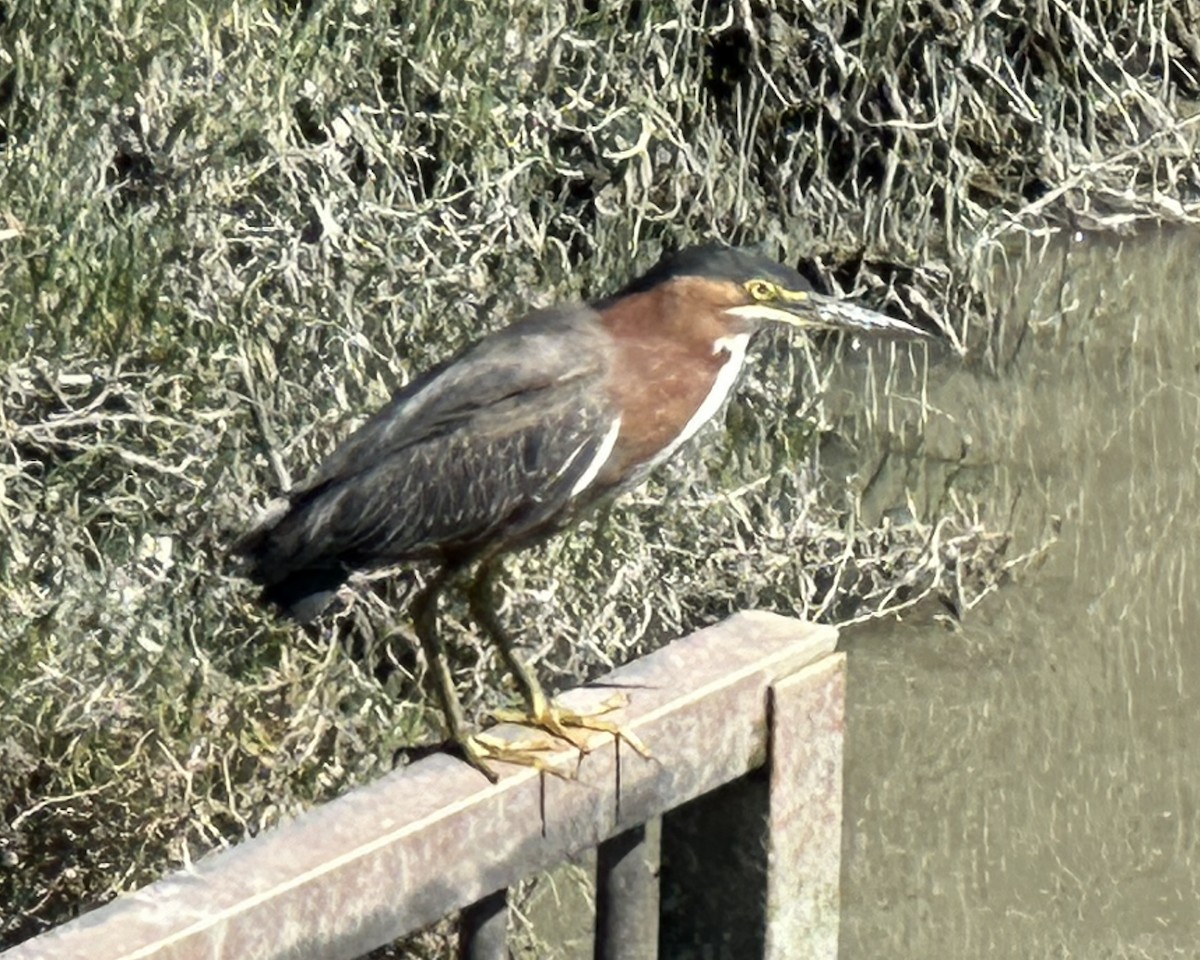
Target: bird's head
(748,290)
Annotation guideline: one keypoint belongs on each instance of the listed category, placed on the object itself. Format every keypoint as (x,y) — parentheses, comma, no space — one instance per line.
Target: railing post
(483,928)
(627,894)
(804,857)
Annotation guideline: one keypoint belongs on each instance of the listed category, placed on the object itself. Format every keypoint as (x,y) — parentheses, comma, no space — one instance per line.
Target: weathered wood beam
(395,855)
(804,845)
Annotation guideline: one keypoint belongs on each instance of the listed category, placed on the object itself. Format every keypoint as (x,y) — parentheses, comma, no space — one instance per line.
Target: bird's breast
(665,391)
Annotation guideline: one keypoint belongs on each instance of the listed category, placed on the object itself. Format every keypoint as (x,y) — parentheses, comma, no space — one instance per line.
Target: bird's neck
(687,311)
(674,365)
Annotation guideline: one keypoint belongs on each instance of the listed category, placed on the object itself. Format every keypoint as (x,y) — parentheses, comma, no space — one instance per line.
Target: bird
(519,435)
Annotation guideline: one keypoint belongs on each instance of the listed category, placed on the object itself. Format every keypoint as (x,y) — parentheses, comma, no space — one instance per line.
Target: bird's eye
(762,290)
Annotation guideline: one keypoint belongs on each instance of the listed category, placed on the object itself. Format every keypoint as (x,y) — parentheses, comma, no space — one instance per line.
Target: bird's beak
(815,311)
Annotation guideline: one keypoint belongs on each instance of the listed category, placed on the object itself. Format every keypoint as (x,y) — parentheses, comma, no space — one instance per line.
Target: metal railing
(756,691)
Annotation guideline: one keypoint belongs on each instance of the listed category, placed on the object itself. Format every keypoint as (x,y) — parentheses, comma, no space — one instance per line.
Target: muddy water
(1026,782)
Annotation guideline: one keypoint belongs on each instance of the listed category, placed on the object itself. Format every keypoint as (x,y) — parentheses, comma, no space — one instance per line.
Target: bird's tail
(301,586)
(304,594)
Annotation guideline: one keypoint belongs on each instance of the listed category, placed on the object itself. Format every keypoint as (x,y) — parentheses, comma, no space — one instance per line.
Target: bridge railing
(756,692)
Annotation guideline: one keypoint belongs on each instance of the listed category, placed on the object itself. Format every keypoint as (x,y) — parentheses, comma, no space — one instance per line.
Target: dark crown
(715,261)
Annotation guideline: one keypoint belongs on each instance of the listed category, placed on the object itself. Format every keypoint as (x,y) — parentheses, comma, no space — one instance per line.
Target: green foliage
(227,229)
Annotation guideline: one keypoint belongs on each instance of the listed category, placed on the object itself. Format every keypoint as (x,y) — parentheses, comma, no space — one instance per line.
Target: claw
(559,721)
(480,750)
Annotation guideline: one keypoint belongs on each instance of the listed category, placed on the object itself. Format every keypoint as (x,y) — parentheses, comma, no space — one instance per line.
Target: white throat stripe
(735,347)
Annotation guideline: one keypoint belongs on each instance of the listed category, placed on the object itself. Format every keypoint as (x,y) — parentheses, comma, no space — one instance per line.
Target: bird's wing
(491,445)
(549,348)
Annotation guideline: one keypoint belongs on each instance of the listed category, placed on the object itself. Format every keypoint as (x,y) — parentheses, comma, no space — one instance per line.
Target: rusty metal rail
(419,844)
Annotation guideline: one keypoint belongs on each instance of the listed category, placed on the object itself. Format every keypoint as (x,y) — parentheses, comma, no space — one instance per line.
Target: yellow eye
(762,290)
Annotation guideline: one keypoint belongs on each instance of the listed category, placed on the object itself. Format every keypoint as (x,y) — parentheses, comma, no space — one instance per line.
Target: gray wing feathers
(495,440)
(546,349)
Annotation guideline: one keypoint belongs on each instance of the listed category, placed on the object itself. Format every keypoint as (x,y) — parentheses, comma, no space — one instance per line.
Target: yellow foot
(559,722)
(481,750)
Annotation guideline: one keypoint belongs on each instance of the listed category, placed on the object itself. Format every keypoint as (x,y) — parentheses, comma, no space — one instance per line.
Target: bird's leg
(424,614)
(542,713)
(476,748)
(483,610)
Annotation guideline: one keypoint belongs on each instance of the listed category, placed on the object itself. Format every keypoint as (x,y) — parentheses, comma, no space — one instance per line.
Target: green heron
(513,439)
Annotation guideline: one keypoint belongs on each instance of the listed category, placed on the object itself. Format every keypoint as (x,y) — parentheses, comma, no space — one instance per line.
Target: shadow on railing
(756,691)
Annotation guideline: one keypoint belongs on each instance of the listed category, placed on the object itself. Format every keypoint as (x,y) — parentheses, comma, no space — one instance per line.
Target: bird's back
(483,452)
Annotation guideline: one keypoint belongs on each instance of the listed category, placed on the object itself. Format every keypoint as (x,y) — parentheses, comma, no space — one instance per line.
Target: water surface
(1023,783)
